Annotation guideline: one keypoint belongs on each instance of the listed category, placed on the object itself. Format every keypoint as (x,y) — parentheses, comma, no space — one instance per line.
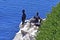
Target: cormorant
(23,16)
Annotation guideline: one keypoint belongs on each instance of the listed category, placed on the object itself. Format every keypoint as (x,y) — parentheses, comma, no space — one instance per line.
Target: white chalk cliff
(27,31)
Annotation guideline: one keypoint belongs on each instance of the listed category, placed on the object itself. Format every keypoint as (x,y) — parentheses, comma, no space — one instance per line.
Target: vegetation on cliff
(50,28)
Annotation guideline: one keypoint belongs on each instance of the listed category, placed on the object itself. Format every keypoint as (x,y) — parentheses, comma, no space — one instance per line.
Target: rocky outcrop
(27,31)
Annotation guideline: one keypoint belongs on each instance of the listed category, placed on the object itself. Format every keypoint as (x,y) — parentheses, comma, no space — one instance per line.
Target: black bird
(23,16)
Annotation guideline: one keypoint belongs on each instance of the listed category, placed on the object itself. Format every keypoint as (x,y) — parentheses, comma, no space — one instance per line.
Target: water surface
(10,14)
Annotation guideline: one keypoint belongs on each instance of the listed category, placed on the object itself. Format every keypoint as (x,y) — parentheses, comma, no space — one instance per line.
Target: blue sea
(11,12)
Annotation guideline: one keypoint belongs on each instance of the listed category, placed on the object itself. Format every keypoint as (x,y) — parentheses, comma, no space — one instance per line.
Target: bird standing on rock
(23,17)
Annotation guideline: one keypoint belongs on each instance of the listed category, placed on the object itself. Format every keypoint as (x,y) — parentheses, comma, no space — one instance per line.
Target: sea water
(11,12)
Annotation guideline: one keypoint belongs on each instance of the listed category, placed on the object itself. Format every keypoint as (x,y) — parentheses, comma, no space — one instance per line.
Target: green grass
(50,28)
